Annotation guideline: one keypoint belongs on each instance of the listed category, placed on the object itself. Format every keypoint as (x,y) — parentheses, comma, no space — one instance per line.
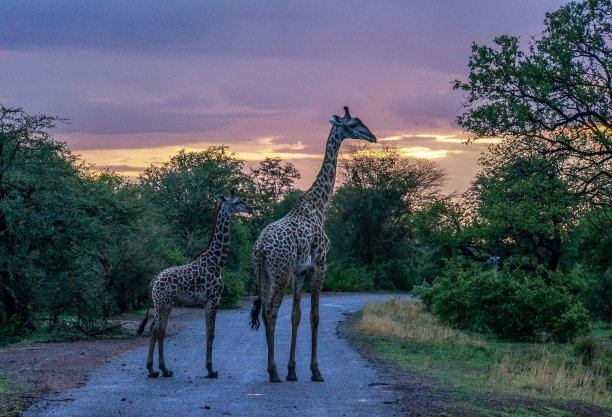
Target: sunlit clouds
(425,153)
(132,162)
(140,81)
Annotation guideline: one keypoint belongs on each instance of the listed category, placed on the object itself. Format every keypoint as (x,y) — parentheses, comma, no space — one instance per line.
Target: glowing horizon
(215,74)
(447,150)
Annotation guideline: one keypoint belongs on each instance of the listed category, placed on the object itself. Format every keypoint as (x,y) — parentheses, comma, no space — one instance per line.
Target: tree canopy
(555,98)
(369,221)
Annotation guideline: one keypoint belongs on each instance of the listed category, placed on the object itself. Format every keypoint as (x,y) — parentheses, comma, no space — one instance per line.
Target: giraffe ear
(222,199)
(331,121)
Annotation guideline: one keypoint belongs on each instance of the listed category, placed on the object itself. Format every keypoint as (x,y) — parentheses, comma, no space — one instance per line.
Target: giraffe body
(295,247)
(195,283)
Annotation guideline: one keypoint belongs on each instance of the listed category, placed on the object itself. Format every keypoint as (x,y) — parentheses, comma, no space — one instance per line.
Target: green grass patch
(9,406)
(9,387)
(546,372)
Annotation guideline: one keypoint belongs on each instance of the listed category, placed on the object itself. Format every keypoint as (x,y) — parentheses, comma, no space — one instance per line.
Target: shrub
(575,320)
(586,349)
(394,274)
(600,296)
(340,278)
(514,305)
(233,289)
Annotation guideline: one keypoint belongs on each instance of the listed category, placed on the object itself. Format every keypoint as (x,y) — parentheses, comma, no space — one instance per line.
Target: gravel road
(351,388)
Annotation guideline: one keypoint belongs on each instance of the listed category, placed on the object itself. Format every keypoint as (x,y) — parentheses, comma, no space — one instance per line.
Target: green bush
(600,296)
(340,278)
(575,320)
(515,305)
(233,289)
(395,274)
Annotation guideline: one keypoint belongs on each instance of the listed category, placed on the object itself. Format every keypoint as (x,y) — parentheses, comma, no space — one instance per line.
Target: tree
(274,183)
(133,242)
(556,98)
(273,179)
(72,242)
(523,210)
(186,190)
(369,219)
(34,171)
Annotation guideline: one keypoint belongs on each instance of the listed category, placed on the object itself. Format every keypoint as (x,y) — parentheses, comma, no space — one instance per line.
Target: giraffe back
(190,284)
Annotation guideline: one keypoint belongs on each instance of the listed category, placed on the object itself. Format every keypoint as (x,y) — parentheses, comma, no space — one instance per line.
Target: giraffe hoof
(316,376)
(212,374)
(167,373)
(291,375)
(274,377)
(153,374)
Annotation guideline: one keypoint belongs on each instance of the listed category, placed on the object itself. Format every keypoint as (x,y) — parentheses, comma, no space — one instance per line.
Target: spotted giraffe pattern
(295,248)
(196,283)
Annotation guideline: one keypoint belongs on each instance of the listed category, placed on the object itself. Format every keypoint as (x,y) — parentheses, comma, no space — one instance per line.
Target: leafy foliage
(72,243)
(369,218)
(540,206)
(524,209)
(555,98)
(186,190)
(273,179)
(510,304)
(340,279)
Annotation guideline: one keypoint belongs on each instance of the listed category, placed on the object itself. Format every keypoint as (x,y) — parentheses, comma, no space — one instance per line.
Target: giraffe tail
(255,314)
(143,324)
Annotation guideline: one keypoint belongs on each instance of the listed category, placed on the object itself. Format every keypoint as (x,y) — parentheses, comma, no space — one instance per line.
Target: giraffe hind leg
(211,313)
(162,363)
(269,314)
(152,340)
(314,321)
(296,313)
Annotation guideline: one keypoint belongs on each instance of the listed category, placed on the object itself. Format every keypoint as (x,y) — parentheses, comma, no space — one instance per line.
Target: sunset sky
(140,80)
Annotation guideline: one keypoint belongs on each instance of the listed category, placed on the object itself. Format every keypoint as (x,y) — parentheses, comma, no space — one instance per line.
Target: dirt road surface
(351,387)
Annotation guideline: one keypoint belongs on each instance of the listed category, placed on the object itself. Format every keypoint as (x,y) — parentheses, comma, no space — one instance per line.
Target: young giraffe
(295,247)
(197,282)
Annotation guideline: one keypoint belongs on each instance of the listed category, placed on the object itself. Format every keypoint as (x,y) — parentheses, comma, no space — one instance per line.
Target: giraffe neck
(319,194)
(218,247)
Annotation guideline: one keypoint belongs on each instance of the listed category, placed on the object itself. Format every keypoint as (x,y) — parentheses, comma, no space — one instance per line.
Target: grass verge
(9,405)
(552,379)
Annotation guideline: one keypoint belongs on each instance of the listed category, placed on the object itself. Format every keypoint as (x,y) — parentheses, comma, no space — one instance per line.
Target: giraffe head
(235,205)
(353,127)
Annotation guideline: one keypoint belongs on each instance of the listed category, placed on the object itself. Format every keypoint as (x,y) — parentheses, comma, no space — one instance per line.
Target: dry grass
(543,370)
(408,320)
(548,370)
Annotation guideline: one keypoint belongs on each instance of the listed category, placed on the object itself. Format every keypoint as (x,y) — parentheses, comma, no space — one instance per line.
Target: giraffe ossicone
(295,247)
(197,282)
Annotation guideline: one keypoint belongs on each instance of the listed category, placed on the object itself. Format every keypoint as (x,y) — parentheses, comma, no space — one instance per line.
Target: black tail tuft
(255,314)
(143,324)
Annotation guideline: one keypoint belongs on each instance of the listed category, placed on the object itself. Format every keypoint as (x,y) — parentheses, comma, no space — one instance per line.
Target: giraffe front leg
(211,313)
(317,282)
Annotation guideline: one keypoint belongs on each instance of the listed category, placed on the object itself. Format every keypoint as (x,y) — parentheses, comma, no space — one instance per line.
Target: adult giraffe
(295,247)
(198,282)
